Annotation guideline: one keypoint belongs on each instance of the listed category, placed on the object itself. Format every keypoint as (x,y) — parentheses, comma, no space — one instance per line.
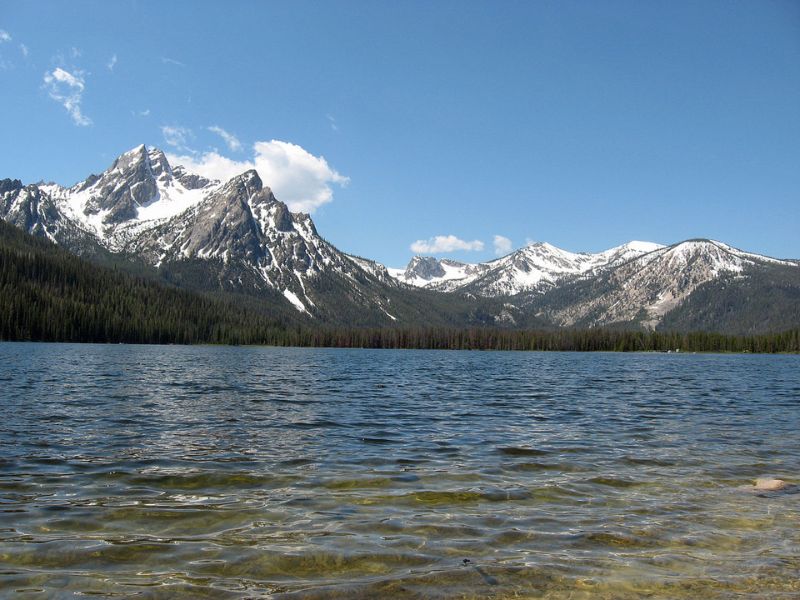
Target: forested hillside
(48,294)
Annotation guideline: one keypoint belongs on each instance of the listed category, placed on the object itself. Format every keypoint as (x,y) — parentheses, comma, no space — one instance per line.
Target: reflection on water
(158,472)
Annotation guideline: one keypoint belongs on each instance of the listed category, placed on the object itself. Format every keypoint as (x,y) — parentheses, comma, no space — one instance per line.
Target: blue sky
(584,124)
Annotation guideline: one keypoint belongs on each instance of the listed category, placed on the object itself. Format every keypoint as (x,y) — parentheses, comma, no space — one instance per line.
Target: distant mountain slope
(643,291)
(763,300)
(535,268)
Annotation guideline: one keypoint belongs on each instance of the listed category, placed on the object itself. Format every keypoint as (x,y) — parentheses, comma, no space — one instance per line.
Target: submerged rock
(769,484)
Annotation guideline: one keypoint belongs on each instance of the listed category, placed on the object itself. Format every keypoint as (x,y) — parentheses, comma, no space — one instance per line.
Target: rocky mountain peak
(9,185)
(247,184)
(137,153)
(129,183)
(424,267)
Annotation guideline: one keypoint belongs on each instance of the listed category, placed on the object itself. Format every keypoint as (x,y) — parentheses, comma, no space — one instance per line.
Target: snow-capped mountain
(139,190)
(438,274)
(32,209)
(242,235)
(236,236)
(535,268)
(645,289)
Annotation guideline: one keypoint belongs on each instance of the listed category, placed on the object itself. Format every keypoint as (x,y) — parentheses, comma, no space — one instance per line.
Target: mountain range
(236,237)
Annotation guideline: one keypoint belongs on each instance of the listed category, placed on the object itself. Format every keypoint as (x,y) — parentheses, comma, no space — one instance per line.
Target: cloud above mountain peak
(300,179)
(445,243)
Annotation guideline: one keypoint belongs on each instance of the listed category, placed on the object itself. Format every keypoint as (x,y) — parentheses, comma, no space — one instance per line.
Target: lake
(238,472)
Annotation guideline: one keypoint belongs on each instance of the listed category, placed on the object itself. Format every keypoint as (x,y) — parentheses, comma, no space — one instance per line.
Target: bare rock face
(425,267)
(223,225)
(191,181)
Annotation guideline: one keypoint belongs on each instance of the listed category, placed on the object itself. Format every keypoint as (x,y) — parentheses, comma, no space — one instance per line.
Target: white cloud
(67,89)
(302,179)
(231,140)
(144,113)
(24,49)
(75,52)
(171,61)
(297,177)
(502,245)
(112,63)
(211,164)
(177,136)
(4,36)
(445,243)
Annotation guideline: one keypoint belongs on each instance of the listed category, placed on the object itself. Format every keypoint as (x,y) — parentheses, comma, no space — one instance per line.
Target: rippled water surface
(161,472)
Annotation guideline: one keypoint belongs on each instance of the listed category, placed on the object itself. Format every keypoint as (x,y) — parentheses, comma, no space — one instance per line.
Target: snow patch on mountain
(296,302)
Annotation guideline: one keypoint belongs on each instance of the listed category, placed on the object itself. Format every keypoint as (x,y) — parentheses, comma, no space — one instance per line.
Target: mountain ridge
(236,236)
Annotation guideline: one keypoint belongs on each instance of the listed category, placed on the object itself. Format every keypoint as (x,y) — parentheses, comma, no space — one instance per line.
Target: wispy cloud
(24,49)
(67,89)
(75,52)
(445,243)
(502,245)
(231,140)
(144,113)
(332,122)
(297,177)
(5,37)
(171,61)
(112,63)
(177,136)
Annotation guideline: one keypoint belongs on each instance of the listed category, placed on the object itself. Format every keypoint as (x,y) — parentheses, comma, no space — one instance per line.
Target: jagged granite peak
(254,241)
(138,189)
(159,165)
(222,225)
(123,188)
(237,232)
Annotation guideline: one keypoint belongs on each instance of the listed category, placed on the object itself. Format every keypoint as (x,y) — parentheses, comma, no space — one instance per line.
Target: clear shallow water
(157,472)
